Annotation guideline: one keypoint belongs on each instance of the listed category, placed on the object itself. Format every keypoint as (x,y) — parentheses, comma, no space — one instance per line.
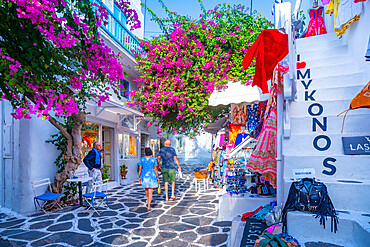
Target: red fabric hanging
(270,47)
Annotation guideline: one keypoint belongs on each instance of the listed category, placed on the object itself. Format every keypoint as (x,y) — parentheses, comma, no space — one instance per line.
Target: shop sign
(298,174)
(356,145)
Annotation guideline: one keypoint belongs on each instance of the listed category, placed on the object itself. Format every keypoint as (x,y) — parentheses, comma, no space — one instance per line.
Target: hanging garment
(240,138)
(261,112)
(316,26)
(358,1)
(263,157)
(367,55)
(333,9)
(270,47)
(234,130)
(253,119)
(239,114)
(325,2)
(348,13)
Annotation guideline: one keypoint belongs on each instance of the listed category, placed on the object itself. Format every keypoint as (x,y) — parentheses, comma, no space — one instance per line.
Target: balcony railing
(119,32)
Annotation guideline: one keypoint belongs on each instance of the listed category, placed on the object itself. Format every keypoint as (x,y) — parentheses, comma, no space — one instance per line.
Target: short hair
(94,143)
(148,152)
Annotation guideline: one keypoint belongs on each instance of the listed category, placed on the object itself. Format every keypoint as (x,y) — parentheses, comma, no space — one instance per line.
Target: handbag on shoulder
(312,196)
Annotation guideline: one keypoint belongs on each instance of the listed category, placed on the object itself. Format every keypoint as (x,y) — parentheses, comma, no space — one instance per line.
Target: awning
(213,128)
(118,108)
(236,93)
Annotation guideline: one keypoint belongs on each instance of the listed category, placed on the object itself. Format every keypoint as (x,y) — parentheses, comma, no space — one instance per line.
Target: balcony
(117,30)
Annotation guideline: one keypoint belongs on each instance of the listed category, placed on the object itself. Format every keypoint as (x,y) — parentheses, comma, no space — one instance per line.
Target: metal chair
(46,197)
(96,194)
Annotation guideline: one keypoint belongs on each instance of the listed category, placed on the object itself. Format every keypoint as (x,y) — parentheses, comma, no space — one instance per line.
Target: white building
(124,133)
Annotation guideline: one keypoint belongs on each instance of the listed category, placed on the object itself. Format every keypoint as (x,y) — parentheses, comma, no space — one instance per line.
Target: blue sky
(191,8)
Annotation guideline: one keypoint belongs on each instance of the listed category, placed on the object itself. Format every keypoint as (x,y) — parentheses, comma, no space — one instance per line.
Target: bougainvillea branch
(182,67)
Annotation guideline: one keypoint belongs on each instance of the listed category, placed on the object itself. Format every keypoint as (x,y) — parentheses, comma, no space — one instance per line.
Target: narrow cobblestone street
(190,221)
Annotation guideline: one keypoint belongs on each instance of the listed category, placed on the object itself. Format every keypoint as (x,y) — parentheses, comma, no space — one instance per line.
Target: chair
(46,197)
(96,194)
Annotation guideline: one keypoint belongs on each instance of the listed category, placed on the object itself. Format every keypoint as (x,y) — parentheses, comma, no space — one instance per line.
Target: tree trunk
(74,155)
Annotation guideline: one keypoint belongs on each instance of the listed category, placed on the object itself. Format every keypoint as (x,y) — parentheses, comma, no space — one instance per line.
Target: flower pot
(123,174)
(123,181)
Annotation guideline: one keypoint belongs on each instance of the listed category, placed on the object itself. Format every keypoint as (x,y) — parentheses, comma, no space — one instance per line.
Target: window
(128,121)
(128,146)
(126,86)
(133,146)
(154,145)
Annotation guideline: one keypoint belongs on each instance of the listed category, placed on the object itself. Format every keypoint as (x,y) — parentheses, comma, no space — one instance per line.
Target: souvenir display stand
(236,198)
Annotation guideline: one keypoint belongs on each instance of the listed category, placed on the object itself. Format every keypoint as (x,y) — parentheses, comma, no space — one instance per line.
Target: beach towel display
(270,47)
(253,119)
(240,138)
(239,114)
(233,132)
(316,26)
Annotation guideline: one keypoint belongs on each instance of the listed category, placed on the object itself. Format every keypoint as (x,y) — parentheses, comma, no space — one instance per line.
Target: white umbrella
(236,93)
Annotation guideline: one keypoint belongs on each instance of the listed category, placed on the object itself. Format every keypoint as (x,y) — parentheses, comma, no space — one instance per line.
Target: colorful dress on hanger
(316,26)
(263,157)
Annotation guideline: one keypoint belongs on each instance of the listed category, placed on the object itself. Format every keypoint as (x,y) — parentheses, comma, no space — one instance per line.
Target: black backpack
(310,195)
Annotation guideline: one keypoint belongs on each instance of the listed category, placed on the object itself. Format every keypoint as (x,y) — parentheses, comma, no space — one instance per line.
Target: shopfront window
(127,146)
(178,144)
(90,134)
(133,146)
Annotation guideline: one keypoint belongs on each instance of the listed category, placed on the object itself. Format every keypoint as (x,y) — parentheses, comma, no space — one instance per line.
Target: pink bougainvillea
(193,58)
(53,45)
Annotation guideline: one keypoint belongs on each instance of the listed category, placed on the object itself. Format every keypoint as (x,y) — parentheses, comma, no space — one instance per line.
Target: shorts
(168,174)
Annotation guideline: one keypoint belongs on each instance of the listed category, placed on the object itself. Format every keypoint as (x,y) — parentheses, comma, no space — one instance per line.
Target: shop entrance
(107,145)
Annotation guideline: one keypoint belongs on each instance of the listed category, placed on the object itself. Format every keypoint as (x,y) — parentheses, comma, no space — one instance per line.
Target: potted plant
(123,171)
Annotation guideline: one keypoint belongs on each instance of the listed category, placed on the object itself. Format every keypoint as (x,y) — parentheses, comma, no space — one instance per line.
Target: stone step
(303,144)
(322,45)
(345,194)
(316,40)
(329,94)
(331,60)
(338,50)
(353,123)
(348,167)
(331,69)
(332,81)
(352,230)
(330,108)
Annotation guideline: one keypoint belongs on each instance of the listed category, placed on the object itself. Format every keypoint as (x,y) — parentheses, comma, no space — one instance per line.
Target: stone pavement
(190,221)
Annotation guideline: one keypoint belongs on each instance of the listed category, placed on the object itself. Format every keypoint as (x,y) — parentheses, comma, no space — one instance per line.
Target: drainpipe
(279,155)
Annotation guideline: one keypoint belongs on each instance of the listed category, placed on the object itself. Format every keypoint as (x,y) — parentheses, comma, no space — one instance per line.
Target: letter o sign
(327,145)
(319,112)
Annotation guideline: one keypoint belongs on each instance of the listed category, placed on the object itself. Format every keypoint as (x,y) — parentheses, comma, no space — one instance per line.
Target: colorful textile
(253,118)
(240,138)
(233,132)
(263,157)
(239,114)
(270,47)
(316,26)
(358,1)
(325,2)
(222,138)
(247,215)
(261,112)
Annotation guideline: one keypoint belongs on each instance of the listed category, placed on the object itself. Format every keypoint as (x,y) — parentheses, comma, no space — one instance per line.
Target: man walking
(169,157)
(93,162)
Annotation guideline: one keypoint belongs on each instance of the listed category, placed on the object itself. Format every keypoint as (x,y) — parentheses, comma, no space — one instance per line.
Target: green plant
(123,168)
(105,170)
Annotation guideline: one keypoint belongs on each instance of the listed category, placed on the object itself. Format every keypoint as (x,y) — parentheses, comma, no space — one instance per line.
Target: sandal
(174,199)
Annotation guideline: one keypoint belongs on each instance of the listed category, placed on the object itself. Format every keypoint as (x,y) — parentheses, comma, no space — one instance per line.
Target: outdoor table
(79,181)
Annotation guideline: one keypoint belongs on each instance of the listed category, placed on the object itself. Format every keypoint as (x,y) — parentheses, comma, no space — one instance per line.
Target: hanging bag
(312,196)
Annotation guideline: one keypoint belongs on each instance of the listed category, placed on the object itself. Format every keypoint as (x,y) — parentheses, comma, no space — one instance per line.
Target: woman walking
(148,175)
